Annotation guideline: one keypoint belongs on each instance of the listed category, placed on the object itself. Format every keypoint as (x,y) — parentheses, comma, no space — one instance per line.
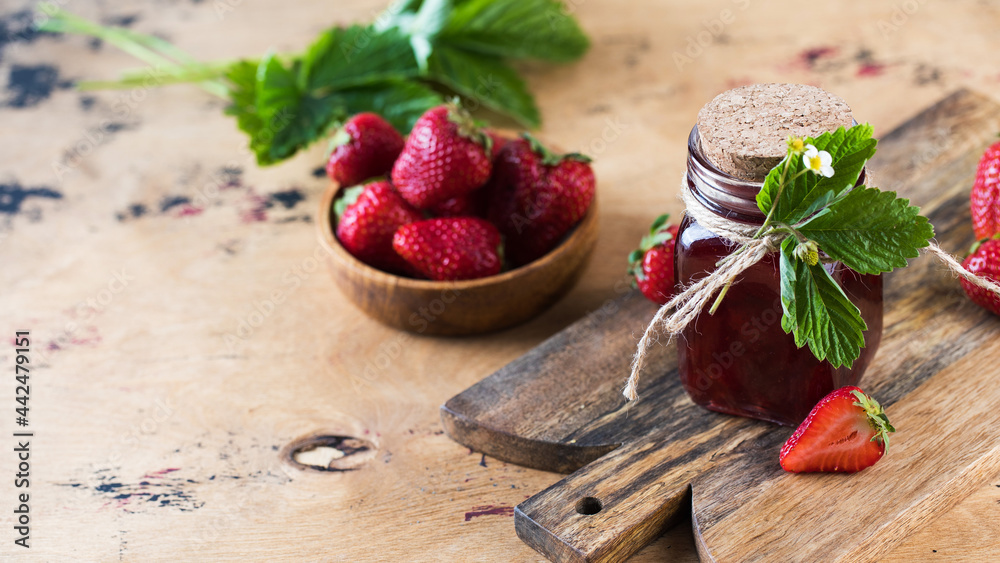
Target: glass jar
(739,360)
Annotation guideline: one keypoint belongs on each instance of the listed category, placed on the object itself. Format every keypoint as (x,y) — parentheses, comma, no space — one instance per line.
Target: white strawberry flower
(818,161)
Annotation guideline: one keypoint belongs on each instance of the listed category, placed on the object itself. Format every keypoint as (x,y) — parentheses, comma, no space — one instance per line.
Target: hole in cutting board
(588,506)
(329,453)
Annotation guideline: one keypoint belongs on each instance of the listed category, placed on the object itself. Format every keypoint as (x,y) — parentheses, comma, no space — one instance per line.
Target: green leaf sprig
(407,61)
(818,214)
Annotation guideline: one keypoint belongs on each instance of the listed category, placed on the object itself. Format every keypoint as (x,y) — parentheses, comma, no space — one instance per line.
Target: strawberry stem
(349,197)
(550,158)
(876,418)
(467,126)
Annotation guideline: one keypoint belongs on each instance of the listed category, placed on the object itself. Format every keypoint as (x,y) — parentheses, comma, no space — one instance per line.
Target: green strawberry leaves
(291,104)
(870,231)
(876,417)
(658,234)
(485,80)
(816,310)
(399,67)
(850,149)
(347,199)
(827,219)
(516,29)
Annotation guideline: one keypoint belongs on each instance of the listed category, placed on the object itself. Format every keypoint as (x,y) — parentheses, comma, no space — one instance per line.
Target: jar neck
(725,195)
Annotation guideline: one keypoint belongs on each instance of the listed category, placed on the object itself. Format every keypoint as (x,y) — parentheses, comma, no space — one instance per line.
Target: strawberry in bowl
(467,231)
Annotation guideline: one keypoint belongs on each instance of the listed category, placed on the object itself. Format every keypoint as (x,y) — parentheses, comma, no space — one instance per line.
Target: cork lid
(744,131)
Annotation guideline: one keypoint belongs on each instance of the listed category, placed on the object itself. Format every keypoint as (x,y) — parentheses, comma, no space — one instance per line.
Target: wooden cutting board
(636,469)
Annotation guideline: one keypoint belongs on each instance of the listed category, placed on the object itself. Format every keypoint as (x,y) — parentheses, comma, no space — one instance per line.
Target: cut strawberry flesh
(835,437)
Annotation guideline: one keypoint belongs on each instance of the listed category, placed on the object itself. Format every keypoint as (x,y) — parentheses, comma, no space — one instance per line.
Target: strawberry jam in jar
(739,360)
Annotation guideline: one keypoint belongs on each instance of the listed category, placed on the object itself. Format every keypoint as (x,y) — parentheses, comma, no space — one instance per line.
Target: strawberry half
(984,260)
(367,218)
(846,432)
(365,147)
(445,156)
(985,197)
(454,248)
(652,264)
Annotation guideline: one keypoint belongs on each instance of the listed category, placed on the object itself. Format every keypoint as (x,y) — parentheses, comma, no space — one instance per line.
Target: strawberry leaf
(243,93)
(659,223)
(355,56)
(850,149)
(345,71)
(399,102)
(816,310)
(515,29)
(289,118)
(421,22)
(870,231)
(485,80)
(347,199)
(285,103)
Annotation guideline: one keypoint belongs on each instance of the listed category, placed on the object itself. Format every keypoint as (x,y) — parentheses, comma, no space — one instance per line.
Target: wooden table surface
(185,330)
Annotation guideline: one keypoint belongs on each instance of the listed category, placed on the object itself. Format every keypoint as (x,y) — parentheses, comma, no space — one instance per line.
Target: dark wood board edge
(557,457)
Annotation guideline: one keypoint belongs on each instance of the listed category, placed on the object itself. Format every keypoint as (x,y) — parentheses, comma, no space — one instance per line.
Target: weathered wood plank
(558,407)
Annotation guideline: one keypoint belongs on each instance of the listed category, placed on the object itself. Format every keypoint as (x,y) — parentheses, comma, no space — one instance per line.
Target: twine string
(672,318)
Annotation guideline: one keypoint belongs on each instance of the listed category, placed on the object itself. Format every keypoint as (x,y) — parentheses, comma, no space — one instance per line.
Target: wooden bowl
(458,307)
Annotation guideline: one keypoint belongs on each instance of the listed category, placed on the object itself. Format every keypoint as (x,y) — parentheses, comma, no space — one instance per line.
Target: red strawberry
(445,156)
(454,248)
(498,141)
(468,205)
(984,260)
(364,148)
(367,218)
(985,197)
(537,197)
(652,264)
(846,431)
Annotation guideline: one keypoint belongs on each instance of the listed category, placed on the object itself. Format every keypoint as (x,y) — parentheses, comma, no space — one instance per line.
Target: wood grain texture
(158,184)
(460,307)
(744,507)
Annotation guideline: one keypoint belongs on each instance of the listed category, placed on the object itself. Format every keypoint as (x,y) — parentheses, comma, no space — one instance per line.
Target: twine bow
(684,308)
